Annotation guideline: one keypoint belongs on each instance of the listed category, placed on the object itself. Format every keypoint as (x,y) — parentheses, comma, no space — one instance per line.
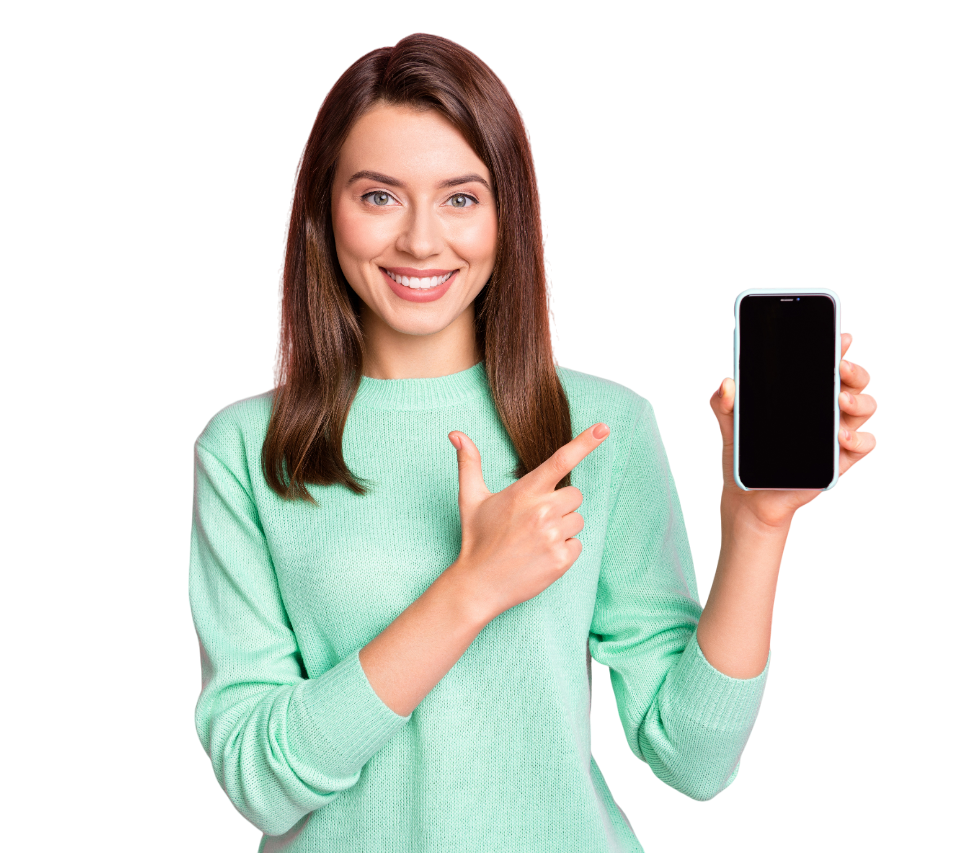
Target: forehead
(418,147)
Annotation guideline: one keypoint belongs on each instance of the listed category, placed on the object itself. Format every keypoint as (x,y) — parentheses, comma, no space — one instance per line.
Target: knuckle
(541,514)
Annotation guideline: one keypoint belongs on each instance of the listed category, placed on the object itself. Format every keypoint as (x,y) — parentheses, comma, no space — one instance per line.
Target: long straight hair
(321,344)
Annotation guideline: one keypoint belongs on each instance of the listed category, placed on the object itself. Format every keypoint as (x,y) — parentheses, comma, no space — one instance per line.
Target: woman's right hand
(517,542)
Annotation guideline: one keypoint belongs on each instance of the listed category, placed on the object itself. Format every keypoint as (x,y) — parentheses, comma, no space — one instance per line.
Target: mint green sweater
(498,755)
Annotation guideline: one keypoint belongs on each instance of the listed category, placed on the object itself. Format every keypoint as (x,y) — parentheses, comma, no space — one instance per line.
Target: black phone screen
(786,398)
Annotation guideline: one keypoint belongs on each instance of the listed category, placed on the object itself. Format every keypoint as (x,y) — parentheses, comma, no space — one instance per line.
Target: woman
(405,665)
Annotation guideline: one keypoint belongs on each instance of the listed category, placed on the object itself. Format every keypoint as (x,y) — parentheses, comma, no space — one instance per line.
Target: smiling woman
(407,666)
(418,162)
(440,216)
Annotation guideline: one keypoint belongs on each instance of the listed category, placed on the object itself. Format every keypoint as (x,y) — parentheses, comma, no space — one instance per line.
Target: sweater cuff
(337,720)
(711,698)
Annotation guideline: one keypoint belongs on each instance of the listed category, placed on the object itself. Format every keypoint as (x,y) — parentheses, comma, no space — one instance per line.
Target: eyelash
(465,195)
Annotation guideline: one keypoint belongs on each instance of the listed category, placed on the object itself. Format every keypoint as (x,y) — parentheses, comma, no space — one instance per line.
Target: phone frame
(813,291)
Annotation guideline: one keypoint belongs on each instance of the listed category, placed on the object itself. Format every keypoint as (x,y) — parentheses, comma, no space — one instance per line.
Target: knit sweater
(497,756)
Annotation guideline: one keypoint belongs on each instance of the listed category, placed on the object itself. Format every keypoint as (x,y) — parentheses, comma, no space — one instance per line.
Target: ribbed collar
(436,392)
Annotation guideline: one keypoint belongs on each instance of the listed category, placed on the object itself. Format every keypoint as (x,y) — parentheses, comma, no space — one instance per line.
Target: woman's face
(411,198)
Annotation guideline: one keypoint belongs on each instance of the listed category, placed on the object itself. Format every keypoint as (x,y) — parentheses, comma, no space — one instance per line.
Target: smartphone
(786,416)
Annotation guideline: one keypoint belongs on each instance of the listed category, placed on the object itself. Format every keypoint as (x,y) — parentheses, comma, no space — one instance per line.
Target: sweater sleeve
(686,719)
(281,745)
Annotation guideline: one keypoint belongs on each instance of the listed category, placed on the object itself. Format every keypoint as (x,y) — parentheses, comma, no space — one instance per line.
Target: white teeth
(419,283)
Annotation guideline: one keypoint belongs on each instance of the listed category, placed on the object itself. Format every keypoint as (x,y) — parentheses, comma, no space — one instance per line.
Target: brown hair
(321,344)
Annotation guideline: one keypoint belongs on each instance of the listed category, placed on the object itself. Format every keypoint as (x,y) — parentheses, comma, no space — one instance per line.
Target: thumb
(472,485)
(724,408)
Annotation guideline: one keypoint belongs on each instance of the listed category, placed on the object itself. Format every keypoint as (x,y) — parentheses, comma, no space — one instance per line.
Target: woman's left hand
(775,507)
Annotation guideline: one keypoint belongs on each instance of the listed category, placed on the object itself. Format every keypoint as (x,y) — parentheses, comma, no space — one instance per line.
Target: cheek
(358,236)
(478,239)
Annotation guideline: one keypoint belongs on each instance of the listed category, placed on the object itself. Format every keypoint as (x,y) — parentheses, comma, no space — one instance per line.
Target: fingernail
(456,441)
(600,431)
(847,365)
(846,434)
(722,388)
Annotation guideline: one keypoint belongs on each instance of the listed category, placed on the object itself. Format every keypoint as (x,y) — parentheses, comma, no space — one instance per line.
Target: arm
(735,628)
(422,644)
(281,745)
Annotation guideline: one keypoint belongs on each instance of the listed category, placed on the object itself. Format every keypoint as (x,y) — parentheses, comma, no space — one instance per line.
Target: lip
(410,272)
(430,294)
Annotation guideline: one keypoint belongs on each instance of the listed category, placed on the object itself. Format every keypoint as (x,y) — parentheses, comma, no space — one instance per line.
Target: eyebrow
(393,182)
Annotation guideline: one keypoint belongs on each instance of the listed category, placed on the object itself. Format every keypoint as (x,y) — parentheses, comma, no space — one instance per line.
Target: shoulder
(241,423)
(602,399)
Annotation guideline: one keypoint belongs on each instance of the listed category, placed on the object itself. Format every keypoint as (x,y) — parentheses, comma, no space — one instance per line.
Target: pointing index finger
(565,459)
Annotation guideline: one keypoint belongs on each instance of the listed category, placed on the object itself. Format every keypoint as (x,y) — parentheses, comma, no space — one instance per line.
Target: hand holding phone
(780,422)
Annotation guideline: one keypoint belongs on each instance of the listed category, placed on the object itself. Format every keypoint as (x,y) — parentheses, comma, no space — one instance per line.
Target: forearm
(412,654)
(735,628)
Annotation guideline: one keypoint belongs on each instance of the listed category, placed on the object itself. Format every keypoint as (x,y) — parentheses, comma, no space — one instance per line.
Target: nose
(422,234)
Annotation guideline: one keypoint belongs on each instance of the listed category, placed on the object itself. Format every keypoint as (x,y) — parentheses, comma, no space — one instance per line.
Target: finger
(723,400)
(564,460)
(856,443)
(854,375)
(471,482)
(846,339)
(857,406)
(864,444)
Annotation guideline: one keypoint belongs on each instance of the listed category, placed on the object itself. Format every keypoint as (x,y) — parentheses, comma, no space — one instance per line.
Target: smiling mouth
(415,283)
